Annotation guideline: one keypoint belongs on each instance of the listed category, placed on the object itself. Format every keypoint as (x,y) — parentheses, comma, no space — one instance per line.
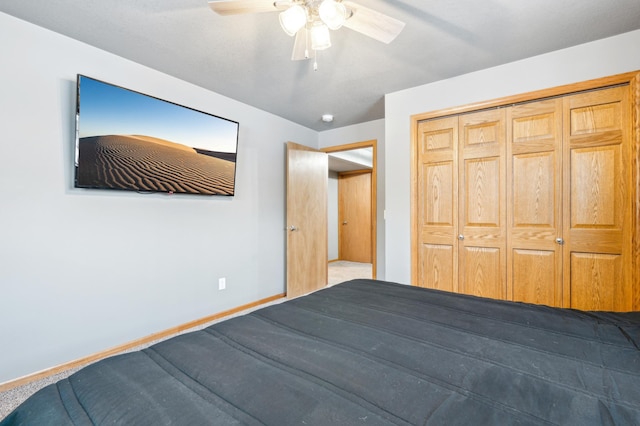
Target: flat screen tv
(131,141)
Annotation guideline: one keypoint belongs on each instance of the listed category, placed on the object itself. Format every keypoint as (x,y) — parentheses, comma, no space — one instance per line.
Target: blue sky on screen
(112,110)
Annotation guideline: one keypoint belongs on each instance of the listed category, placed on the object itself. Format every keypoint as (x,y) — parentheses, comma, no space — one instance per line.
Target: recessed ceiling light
(327,118)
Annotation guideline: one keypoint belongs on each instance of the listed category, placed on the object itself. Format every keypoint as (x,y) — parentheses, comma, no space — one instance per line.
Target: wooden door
(437,181)
(354,217)
(597,210)
(307,171)
(482,204)
(534,202)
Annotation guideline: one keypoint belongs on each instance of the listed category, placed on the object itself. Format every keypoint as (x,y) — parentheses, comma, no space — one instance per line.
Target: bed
(367,353)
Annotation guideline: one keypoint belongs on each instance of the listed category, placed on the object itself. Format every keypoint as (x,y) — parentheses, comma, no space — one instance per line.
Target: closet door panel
(597,213)
(595,174)
(437,208)
(534,178)
(534,202)
(480,272)
(482,193)
(597,282)
(534,272)
(482,204)
(437,266)
(438,193)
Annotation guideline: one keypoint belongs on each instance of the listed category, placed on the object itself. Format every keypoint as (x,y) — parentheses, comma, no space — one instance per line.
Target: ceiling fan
(311,20)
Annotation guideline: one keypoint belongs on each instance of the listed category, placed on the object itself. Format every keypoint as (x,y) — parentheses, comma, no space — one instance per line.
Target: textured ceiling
(247,57)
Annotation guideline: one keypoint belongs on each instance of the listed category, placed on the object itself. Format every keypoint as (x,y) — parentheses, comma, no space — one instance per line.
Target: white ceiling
(247,57)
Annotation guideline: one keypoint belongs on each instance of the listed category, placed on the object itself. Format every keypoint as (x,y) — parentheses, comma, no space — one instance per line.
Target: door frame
(374,190)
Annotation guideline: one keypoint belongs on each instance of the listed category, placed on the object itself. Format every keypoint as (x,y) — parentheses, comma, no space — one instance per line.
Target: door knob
(559,241)
(293,228)
(344,223)
(461,237)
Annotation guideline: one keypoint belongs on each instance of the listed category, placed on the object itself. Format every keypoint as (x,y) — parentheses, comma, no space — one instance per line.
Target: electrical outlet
(222,283)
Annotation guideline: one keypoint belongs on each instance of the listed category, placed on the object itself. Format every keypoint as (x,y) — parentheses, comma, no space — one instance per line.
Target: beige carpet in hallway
(342,270)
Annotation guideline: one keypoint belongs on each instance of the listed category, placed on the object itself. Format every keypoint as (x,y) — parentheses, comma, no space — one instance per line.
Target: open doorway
(351,211)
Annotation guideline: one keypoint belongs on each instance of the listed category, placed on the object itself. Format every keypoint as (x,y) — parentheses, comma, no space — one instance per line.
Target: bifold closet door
(482,204)
(462,204)
(597,214)
(437,182)
(534,202)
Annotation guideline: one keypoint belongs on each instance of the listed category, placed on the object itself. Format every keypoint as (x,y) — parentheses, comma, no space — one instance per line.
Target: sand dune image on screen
(145,163)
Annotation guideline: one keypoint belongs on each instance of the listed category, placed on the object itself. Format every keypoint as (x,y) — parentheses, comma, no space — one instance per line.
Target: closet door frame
(631,78)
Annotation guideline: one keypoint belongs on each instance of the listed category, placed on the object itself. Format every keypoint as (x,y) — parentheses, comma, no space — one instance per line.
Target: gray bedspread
(367,353)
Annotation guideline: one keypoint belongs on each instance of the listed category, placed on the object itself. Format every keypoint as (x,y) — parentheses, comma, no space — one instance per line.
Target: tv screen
(130,141)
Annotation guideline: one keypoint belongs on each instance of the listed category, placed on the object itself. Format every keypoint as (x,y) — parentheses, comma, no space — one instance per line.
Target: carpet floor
(342,270)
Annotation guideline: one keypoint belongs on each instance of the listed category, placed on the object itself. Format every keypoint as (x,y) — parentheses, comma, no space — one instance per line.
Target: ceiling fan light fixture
(332,13)
(292,19)
(310,21)
(320,38)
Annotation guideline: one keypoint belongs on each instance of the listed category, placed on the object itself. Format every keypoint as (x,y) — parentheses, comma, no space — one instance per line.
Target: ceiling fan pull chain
(306,43)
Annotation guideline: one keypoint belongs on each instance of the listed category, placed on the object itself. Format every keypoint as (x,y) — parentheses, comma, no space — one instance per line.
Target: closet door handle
(461,237)
(559,241)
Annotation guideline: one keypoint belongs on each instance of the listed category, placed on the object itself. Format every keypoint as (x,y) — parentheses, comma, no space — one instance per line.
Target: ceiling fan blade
(373,24)
(301,45)
(236,7)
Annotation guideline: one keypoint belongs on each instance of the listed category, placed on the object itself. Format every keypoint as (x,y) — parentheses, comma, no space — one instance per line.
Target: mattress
(367,353)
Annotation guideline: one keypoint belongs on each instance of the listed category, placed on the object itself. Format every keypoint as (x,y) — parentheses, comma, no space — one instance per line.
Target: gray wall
(85,270)
(601,58)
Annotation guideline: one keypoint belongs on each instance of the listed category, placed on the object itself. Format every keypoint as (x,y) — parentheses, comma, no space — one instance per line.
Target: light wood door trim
(598,83)
(634,93)
(416,211)
(374,193)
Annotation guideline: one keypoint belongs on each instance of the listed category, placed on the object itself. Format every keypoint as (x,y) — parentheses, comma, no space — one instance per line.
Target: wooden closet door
(534,202)
(437,204)
(597,211)
(482,204)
